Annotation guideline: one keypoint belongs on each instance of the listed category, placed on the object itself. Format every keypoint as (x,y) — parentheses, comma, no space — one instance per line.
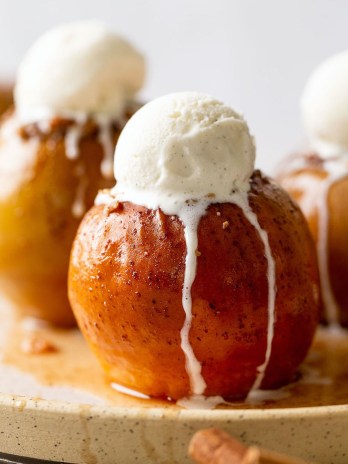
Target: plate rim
(56,407)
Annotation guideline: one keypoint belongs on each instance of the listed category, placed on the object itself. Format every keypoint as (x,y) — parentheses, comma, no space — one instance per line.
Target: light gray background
(253,54)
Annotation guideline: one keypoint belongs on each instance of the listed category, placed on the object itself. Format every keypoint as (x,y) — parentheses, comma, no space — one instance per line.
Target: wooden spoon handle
(214,446)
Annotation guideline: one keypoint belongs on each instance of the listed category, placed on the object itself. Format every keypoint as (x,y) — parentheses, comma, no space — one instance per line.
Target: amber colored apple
(125,287)
(305,186)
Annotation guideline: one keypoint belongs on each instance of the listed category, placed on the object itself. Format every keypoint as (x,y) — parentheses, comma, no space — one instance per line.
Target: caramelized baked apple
(196,276)
(6,97)
(56,152)
(318,180)
(42,196)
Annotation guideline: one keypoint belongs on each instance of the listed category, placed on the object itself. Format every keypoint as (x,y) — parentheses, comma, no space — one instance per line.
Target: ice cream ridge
(317,179)
(75,90)
(191,276)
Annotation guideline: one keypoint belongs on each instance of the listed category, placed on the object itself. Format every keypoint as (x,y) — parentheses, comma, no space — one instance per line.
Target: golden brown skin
(125,287)
(6,97)
(304,185)
(37,226)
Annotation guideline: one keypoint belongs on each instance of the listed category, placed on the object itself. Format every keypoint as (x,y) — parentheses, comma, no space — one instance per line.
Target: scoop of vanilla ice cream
(79,67)
(181,147)
(324,106)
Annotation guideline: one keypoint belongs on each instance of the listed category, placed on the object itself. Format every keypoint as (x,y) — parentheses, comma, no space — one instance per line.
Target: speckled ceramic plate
(73,433)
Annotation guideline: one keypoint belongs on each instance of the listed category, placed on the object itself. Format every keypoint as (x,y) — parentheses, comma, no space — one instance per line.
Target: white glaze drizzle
(336,167)
(79,205)
(272,290)
(330,302)
(73,136)
(201,402)
(106,140)
(72,141)
(191,219)
(260,396)
(75,131)
(44,126)
(129,391)
(191,216)
(72,150)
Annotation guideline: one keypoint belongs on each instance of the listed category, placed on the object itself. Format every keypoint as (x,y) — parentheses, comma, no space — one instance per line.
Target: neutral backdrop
(253,54)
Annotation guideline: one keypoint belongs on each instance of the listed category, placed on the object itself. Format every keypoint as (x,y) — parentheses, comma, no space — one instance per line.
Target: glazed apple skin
(6,97)
(125,287)
(37,226)
(304,186)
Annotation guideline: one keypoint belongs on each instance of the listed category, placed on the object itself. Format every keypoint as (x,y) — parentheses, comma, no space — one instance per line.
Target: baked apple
(196,276)
(6,97)
(56,152)
(318,180)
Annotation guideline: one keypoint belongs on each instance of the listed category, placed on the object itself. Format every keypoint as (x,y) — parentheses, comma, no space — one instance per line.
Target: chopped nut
(113,206)
(198,253)
(34,344)
(218,213)
(225,225)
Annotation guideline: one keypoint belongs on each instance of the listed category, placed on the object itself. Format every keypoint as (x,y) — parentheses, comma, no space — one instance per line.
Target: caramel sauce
(322,378)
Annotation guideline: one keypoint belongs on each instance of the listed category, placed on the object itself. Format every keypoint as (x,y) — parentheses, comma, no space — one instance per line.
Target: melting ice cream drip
(106,141)
(330,302)
(72,149)
(271,279)
(191,216)
(79,205)
(72,141)
(105,137)
(336,170)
